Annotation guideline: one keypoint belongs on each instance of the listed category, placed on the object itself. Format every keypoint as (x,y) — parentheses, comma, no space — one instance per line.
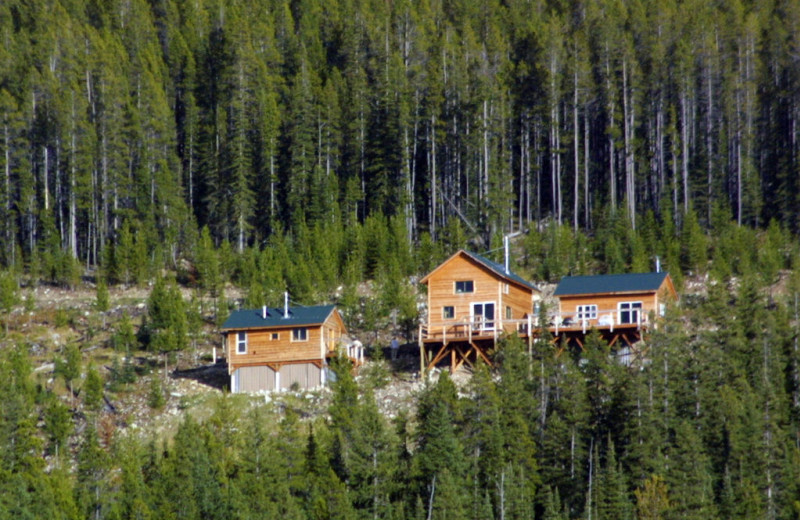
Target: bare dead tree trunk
(685,149)
(576,161)
(628,122)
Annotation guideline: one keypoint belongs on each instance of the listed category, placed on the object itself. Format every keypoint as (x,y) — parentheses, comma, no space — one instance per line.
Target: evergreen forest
(216,153)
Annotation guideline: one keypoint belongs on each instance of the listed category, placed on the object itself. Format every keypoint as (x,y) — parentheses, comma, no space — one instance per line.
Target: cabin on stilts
(472,301)
(618,306)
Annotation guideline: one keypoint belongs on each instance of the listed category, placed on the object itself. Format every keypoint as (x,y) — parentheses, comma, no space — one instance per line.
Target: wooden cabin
(613,300)
(471,301)
(274,349)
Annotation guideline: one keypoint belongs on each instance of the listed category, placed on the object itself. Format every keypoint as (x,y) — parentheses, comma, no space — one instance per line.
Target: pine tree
(9,295)
(93,495)
(69,366)
(58,423)
(93,389)
(613,501)
(652,499)
(167,327)
(439,451)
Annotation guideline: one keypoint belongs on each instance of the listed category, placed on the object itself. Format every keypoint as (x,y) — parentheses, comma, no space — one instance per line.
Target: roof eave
(499,274)
(609,293)
(266,327)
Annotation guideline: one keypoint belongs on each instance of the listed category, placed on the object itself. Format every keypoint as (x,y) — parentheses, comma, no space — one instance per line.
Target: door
(483,315)
(629,312)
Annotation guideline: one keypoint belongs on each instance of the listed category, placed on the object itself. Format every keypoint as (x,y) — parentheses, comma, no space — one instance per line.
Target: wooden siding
(263,350)
(520,301)
(487,288)
(605,303)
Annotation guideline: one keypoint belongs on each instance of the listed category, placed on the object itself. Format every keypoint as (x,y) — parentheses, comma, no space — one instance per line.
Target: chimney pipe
(505,247)
(264,312)
(286,305)
(658,264)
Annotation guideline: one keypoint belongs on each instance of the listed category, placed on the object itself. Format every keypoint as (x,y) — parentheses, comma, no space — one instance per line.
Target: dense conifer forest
(339,150)
(257,119)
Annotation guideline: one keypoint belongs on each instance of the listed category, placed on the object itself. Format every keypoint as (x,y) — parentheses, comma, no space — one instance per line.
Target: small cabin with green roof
(610,300)
(281,348)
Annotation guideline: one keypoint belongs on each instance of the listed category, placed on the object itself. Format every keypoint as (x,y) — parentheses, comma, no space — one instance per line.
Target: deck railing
(466,328)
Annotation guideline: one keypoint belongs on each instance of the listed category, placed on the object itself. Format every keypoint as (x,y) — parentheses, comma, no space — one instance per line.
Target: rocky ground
(50,318)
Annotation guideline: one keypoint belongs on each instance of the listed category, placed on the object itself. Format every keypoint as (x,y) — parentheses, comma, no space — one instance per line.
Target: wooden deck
(465,342)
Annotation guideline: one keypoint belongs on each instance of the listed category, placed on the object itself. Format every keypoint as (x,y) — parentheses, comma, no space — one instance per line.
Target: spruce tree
(9,296)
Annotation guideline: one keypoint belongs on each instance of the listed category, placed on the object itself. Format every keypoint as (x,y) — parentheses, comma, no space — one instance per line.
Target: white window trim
(240,342)
(444,315)
(455,286)
(484,321)
(586,312)
(630,308)
(294,339)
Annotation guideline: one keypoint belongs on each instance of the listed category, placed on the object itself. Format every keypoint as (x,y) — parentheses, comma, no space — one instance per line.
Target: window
(465,286)
(505,288)
(508,312)
(276,336)
(300,334)
(448,312)
(629,312)
(586,312)
(241,343)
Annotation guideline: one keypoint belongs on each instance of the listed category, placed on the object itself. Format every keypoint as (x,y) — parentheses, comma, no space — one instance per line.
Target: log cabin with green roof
(279,348)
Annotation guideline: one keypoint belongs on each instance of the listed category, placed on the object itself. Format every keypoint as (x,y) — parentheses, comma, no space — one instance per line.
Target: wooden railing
(556,322)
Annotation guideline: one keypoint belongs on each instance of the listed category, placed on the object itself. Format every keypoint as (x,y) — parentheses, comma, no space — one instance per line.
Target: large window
(586,312)
(300,334)
(629,312)
(448,312)
(464,286)
(241,343)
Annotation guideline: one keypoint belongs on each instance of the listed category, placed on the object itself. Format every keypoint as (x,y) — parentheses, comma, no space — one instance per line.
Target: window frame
(241,341)
(296,333)
(628,308)
(275,336)
(452,315)
(464,286)
(586,312)
(509,312)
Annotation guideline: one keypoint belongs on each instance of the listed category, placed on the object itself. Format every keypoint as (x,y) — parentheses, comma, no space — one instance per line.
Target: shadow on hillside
(215,376)
(407,361)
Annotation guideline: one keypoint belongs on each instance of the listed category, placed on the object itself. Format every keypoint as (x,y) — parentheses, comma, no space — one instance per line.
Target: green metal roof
(298,317)
(609,283)
(500,270)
